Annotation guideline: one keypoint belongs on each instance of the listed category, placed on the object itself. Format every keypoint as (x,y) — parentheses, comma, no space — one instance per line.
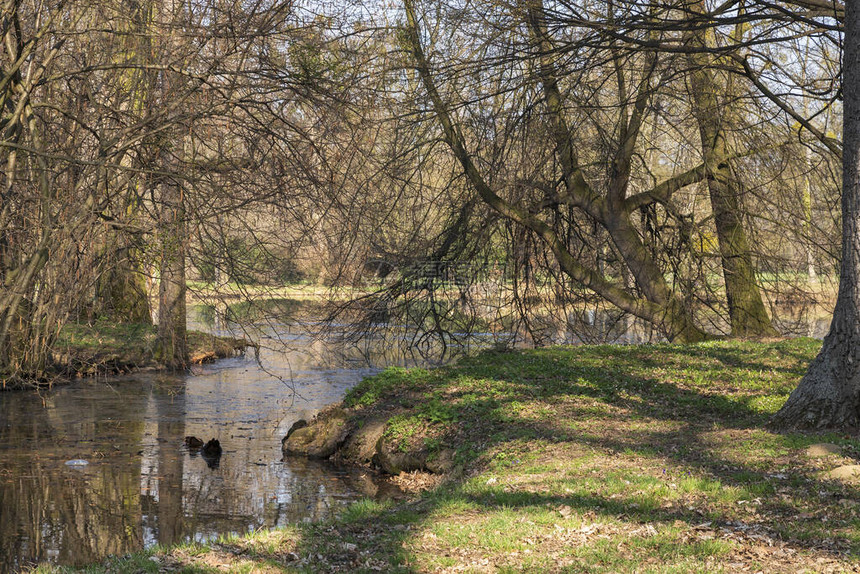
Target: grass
(108,347)
(106,335)
(584,459)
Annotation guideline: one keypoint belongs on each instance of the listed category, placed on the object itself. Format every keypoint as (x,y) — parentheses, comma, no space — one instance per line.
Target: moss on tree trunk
(747,312)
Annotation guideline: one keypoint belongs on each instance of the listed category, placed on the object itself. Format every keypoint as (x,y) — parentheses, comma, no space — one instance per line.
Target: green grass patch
(375,388)
(365,509)
(594,459)
(137,563)
(106,335)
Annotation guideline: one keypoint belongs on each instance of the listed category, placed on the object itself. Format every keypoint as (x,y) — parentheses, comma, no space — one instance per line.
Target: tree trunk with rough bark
(747,312)
(829,394)
(172,340)
(121,290)
(172,347)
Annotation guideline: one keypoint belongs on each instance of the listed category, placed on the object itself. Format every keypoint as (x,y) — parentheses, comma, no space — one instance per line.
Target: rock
(332,434)
(849,472)
(441,462)
(394,461)
(361,444)
(321,438)
(822,449)
(193,442)
(299,424)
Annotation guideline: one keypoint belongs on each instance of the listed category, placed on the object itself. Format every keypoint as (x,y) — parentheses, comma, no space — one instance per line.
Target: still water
(141,485)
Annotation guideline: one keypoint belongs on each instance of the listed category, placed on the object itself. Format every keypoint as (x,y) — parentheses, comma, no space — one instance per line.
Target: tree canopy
(524,167)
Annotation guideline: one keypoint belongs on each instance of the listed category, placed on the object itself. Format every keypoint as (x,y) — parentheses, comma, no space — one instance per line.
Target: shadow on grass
(559,433)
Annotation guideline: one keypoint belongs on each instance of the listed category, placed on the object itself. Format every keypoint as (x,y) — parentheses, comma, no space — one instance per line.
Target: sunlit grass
(137,563)
(589,459)
(364,509)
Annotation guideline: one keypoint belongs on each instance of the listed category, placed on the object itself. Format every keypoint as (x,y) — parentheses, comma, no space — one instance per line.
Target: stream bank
(109,349)
(652,458)
(142,485)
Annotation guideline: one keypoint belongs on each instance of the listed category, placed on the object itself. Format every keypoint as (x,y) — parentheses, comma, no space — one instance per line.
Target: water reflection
(142,485)
(592,325)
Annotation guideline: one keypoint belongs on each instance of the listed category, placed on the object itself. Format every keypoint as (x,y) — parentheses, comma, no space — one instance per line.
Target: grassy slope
(588,459)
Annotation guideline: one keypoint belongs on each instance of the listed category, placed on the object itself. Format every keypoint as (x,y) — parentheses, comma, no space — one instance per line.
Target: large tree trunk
(121,290)
(172,343)
(747,312)
(829,394)
(672,318)
(172,347)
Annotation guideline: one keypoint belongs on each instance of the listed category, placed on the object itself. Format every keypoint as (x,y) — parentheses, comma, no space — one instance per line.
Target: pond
(142,486)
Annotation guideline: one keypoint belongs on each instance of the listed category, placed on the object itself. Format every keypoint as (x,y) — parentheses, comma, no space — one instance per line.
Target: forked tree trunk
(829,394)
(659,305)
(747,312)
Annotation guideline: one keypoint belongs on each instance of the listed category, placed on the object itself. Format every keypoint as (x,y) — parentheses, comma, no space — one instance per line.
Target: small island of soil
(100,349)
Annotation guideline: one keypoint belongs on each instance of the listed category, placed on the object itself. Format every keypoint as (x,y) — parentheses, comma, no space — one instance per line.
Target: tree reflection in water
(142,485)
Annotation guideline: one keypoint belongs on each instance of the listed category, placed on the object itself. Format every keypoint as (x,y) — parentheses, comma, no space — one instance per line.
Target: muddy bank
(117,356)
(380,433)
(350,436)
